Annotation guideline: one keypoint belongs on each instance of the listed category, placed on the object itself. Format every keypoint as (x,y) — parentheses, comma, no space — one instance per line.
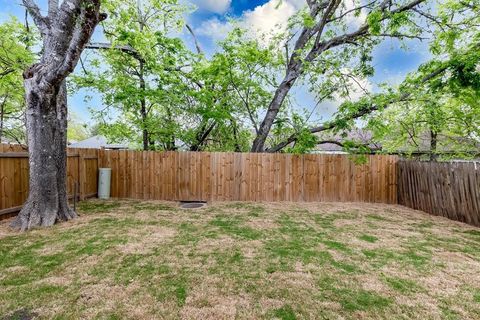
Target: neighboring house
(97,142)
(333,144)
(444,144)
(421,147)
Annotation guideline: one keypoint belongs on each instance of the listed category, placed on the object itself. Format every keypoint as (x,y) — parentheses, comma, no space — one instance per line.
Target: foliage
(434,110)
(160,95)
(139,83)
(77,130)
(15,56)
(168,96)
(441,115)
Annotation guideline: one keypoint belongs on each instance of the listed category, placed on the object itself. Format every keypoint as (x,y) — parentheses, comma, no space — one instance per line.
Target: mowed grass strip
(129,259)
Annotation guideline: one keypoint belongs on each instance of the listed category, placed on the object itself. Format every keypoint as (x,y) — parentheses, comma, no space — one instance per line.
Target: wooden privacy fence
(447,189)
(451,190)
(199,176)
(82,167)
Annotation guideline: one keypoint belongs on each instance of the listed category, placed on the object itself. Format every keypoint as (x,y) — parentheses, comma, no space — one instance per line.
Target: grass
(136,260)
(368,238)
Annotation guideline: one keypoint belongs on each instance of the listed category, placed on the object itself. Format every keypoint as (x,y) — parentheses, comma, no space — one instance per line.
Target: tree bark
(360,113)
(46,131)
(2,118)
(65,32)
(272,112)
(202,136)
(433,145)
(143,109)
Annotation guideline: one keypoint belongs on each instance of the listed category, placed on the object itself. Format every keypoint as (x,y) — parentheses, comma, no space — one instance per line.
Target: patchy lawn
(145,260)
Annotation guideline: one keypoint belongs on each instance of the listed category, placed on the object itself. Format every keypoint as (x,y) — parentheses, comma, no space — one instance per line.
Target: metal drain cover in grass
(192,205)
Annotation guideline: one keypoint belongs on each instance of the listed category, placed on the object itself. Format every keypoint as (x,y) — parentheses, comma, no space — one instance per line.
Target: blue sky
(210,22)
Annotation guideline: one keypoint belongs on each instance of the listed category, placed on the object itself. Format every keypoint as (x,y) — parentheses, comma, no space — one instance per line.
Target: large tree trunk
(311,43)
(46,129)
(65,32)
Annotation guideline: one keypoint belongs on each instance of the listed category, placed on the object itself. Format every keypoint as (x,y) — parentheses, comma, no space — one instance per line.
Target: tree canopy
(16,55)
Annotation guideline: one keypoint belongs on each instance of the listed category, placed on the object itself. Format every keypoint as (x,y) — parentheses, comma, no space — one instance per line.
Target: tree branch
(40,21)
(358,114)
(107,46)
(197,44)
(52,9)
(83,25)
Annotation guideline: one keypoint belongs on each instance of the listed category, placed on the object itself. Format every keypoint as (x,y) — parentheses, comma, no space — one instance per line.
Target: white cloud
(272,16)
(216,6)
(214,28)
(352,20)
(267,19)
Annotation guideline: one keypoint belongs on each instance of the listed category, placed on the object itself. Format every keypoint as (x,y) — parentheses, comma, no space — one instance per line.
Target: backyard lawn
(151,260)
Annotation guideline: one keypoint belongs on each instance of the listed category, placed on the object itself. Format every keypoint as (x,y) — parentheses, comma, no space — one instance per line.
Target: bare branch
(351,10)
(326,16)
(107,46)
(40,21)
(197,44)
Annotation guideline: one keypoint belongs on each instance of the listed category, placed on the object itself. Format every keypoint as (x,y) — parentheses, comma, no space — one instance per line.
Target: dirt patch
(373,283)
(51,249)
(214,307)
(212,244)
(300,278)
(261,224)
(107,298)
(251,249)
(56,281)
(209,300)
(5,229)
(16,269)
(145,239)
(22,314)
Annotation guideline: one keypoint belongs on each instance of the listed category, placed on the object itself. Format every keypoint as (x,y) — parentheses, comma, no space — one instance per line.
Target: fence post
(81,175)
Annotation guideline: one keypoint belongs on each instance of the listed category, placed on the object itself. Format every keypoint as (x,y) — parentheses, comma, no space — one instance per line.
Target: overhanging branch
(107,46)
(330,125)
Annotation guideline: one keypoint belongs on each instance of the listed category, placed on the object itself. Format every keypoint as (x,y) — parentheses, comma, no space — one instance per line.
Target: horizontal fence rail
(451,190)
(200,176)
